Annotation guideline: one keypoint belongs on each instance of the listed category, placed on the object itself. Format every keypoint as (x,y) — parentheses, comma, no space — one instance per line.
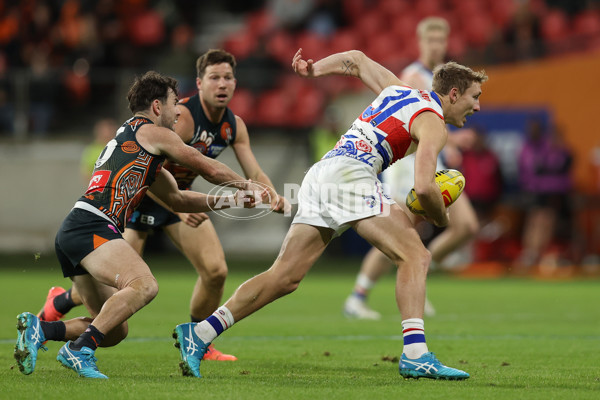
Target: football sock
(64,302)
(363,286)
(413,330)
(214,325)
(90,338)
(54,330)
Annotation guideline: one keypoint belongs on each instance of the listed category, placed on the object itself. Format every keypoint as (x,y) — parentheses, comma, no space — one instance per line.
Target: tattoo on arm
(348,66)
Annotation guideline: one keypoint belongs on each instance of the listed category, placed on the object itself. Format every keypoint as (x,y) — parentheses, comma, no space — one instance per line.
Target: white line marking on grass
(299,338)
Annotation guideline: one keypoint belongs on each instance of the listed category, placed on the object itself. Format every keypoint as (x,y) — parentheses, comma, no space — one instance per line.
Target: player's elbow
(424,190)
(357,57)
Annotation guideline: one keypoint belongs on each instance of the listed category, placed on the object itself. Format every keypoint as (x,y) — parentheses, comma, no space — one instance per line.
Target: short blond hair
(432,24)
(453,75)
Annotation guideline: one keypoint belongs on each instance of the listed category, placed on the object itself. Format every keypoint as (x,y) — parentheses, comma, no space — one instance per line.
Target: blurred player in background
(342,191)
(209,126)
(104,131)
(433,40)
(107,272)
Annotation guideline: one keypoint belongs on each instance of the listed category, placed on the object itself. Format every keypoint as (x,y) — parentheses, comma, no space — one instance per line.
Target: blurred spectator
(105,130)
(545,173)
(109,29)
(291,14)
(481,168)
(259,70)
(523,36)
(326,18)
(6,100)
(179,60)
(43,87)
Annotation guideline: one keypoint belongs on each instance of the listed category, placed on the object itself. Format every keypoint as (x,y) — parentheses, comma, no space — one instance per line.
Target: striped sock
(413,330)
(362,287)
(214,325)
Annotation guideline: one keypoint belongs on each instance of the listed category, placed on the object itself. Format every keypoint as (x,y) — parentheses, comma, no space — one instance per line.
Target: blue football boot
(191,349)
(428,366)
(29,340)
(81,361)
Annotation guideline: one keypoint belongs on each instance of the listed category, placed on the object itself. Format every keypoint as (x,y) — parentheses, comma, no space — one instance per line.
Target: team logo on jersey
(226,132)
(370,200)
(201,147)
(363,146)
(98,182)
(130,147)
(202,141)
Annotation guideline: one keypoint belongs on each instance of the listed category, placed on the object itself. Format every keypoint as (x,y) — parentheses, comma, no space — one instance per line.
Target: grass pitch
(519,339)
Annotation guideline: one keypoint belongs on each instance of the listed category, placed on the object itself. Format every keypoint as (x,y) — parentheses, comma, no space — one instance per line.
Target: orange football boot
(48,312)
(215,355)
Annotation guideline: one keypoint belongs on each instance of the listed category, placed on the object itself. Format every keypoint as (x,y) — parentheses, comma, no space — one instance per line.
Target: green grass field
(519,339)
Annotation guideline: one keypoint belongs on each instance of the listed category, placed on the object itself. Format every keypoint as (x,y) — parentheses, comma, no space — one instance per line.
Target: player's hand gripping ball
(451,183)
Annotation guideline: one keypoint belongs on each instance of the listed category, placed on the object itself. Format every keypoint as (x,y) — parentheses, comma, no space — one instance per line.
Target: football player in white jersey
(399,179)
(342,191)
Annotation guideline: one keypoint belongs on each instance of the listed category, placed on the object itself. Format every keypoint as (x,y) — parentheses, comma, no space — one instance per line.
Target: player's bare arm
(251,168)
(184,127)
(350,63)
(166,190)
(430,131)
(159,140)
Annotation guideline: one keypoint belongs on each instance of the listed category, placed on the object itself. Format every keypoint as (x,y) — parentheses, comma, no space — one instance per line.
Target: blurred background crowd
(532,165)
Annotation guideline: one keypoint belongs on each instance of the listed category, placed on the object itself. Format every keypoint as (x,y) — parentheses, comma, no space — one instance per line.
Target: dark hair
(212,57)
(147,88)
(453,75)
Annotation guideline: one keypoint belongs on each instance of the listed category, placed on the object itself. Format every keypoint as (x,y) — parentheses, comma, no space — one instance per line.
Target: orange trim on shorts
(99,241)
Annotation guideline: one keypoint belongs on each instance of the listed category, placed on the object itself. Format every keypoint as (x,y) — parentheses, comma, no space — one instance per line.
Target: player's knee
(472,227)
(287,283)
(215,275)
(146,287)
(424,259)
(465,229)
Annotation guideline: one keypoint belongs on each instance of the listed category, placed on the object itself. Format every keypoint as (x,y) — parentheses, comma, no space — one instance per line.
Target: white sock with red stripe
(363,286)
(213,326)
(413,330)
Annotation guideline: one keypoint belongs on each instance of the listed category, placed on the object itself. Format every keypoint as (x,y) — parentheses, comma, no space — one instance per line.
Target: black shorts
(81,233)
(150,215)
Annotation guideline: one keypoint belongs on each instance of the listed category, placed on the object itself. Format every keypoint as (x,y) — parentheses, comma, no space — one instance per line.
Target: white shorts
(339,190)
(399,178)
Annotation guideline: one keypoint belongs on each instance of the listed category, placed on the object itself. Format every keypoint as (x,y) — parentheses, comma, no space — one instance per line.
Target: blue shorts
(150,215)
(81,233)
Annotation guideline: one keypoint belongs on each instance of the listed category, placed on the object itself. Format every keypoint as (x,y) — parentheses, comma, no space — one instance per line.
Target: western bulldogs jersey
(122,174)
(381,134)
(209,139)
(425,74)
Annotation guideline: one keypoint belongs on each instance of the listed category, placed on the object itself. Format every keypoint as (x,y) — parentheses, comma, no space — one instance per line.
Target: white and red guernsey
(380,135)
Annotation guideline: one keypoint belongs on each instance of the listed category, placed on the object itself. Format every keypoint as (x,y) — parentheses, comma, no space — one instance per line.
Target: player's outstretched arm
(351,63)
(164,141)
(187,201)
(251,168)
